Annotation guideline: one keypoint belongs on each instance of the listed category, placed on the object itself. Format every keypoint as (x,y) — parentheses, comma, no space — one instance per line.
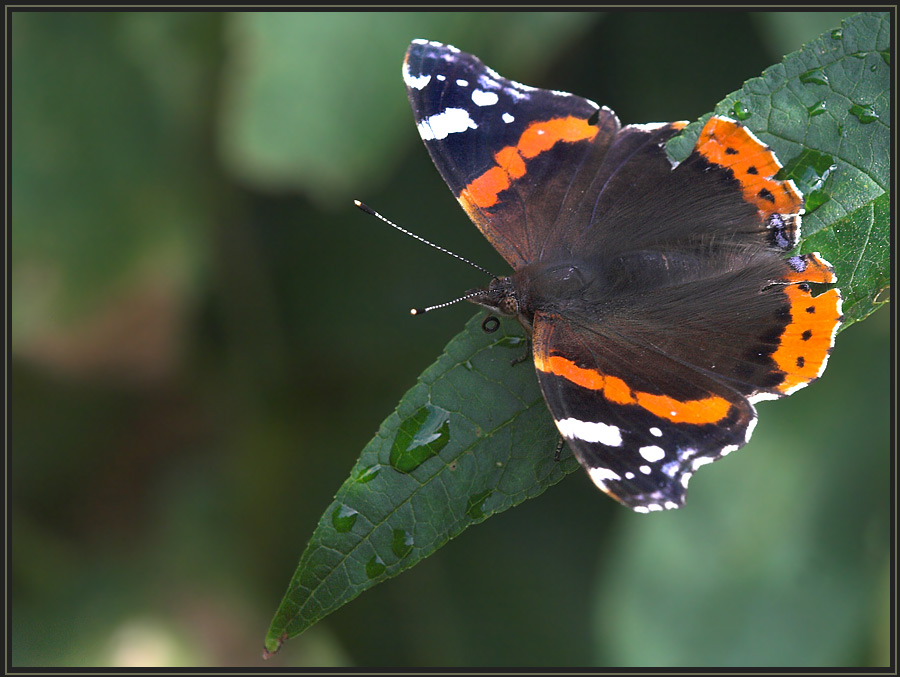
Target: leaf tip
(272,645)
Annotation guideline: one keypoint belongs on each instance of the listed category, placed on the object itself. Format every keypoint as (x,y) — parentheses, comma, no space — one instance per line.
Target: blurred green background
(205,333)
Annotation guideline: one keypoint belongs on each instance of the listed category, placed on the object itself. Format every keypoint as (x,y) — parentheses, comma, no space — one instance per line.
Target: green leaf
(826,112)
(471,439)
(474,437)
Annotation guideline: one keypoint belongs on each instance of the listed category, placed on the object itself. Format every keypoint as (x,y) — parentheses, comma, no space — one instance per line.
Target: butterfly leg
(524,356)
(559,446)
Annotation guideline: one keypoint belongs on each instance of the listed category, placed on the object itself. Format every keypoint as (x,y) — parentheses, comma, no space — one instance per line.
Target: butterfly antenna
(422,311)
(368,210)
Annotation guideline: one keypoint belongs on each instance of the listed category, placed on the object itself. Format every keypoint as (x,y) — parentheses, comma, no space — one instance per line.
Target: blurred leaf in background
(300,111)
(108,185)
(205,333)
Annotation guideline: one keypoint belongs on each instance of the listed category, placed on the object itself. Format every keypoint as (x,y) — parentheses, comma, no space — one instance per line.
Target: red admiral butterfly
(660,299)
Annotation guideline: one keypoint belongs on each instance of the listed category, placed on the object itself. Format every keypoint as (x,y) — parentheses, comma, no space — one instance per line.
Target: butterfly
(662,299)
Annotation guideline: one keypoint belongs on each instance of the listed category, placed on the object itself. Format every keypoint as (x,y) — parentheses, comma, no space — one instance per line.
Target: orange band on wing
(729,144)
(807,340)
(698,412)
(538,137)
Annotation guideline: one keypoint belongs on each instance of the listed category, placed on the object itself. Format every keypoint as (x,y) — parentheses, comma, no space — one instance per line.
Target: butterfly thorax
(597,286)
(535,288)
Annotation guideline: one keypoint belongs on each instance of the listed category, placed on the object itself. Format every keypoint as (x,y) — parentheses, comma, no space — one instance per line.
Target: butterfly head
(504,297)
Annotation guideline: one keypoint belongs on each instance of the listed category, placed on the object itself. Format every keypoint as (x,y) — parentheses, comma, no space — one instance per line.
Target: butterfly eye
(508,305)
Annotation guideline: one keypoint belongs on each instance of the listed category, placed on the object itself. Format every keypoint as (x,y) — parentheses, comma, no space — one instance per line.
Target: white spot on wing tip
(764,396)
(482,98)
(601,475)
(729,448)
(648,126)
(799,386)
(652,454)
(790,182)
(521,87)
(572,428)
(751,426)
(448,121)
(700,461)
(414,81)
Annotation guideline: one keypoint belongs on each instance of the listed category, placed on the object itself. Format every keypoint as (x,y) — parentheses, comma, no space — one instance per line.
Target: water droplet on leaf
(814,77)
(420,437)
(369,474)
(741,112)
(475,506)
(402,543)
(343,518)
(375,567)
(817,108)
(865,114)
(810,170)
(511,341)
